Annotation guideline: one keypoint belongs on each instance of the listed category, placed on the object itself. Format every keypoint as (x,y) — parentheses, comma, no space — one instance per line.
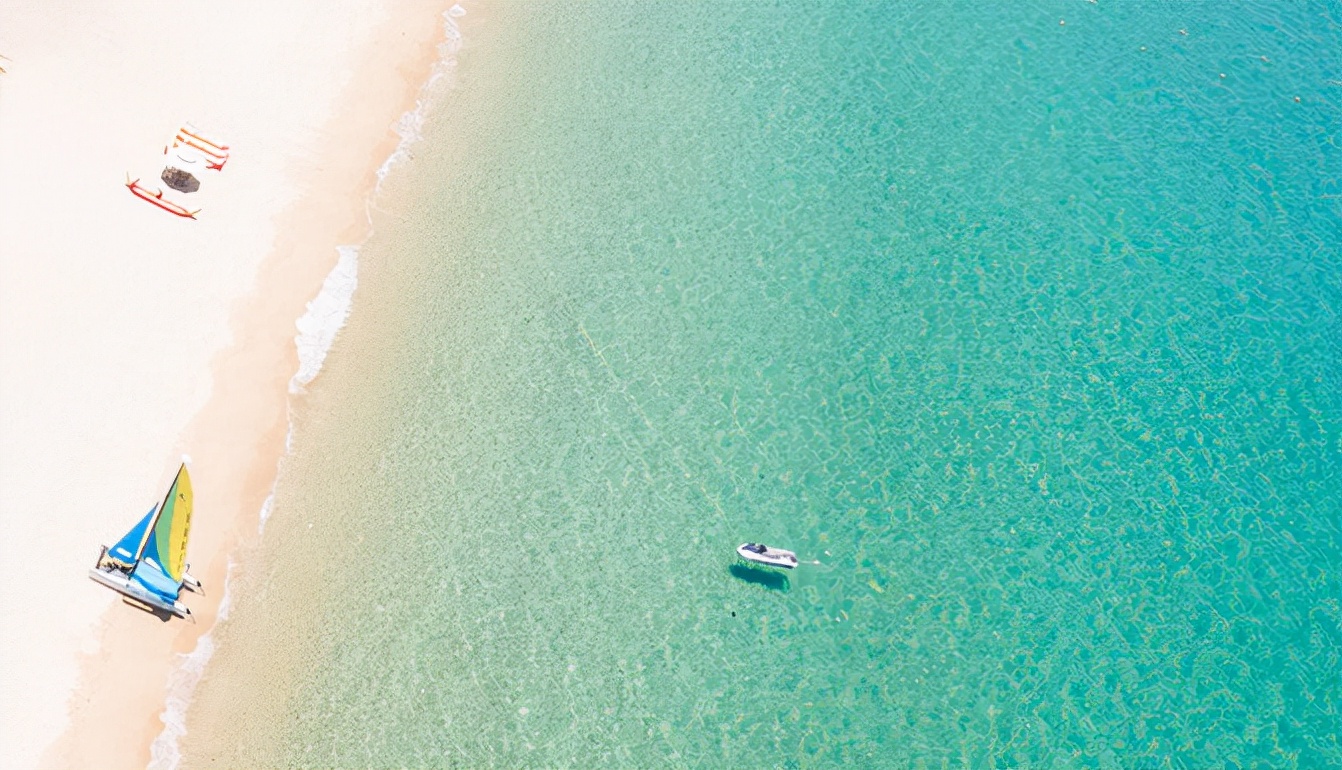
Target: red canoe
(190,131)
(157,199)
(208,150)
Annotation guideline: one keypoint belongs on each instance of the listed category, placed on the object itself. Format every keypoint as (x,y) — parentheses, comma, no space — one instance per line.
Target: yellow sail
(167,542)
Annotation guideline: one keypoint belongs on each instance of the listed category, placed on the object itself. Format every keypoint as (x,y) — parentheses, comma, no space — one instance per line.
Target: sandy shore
(129,336)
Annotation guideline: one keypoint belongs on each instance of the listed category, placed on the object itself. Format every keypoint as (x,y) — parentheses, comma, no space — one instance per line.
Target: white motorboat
(760,553)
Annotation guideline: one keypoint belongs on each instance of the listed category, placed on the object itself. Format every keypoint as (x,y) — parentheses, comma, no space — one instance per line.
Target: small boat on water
(148,564)
(760,553)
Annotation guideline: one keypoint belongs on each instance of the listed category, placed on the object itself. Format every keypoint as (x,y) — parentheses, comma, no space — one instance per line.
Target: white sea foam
(327,312)
(407,127)
(266,508)
(410,124)
(165,753)
(325,315)
(317,330)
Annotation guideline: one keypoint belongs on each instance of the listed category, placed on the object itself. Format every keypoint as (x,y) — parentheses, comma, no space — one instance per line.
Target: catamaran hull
(120,582)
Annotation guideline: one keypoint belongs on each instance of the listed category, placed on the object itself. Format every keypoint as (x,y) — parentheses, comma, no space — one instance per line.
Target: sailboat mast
(149,530)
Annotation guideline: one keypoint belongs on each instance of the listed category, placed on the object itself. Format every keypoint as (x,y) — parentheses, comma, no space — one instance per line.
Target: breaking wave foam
(410,124)
(266,507)
(326,313)
(164,752)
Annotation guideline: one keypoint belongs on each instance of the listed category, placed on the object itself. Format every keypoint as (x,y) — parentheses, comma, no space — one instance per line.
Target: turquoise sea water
(1027,331)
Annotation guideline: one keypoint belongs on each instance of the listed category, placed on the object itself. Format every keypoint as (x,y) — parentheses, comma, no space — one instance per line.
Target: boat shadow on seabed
(771,580)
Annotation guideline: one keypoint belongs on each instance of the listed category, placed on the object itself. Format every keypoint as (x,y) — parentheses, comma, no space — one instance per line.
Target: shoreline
(264,346)
(317,329)
(238,437)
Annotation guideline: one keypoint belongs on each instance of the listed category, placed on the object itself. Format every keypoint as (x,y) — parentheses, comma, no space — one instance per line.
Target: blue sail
(125,549)
(151,576)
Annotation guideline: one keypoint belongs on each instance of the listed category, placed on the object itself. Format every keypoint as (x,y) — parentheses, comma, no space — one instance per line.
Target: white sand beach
(129,336)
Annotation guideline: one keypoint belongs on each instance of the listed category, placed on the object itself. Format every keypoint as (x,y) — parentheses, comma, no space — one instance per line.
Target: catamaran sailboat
(148,564)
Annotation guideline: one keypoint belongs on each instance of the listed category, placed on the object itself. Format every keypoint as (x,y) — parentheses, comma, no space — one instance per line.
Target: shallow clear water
(1027,334)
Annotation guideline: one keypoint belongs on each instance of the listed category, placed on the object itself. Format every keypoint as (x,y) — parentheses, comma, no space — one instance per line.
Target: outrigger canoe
(194,133)
(216,160)
(156,198)
(215,153)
